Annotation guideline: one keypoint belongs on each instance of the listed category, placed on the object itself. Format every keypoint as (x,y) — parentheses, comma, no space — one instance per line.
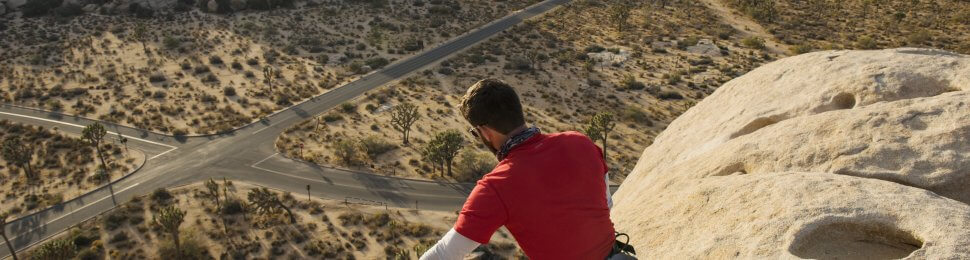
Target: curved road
(248,153)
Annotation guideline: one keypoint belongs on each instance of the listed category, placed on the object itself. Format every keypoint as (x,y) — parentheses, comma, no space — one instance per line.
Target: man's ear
(489,133)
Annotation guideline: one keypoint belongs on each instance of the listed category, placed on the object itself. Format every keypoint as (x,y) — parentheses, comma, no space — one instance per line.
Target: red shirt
(549,192)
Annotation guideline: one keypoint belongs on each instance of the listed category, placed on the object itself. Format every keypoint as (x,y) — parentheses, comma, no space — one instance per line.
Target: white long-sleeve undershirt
(452,246)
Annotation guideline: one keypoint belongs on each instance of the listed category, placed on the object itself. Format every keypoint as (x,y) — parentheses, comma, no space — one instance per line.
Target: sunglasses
(474,131)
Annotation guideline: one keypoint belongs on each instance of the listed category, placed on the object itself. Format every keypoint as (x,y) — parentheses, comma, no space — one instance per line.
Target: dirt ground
(324,229)
(64,167)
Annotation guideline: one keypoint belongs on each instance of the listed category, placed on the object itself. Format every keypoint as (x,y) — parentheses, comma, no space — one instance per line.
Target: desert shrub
(155,78)
(215,60)
(471,165)
(919,38)
(636,115)
(236,65)
(374,146)
(192,248)
(668,95)
(171,43)
(802,48)
(69,10)
(753,42)
(114,220)
(158,94)
(866,43)
(161,195)
(120,237)
(761,10)
(630,82)
(88,254)
(348,107)
(594,49)
(33,8)
(229,91)
(233,206)
(446,71)
(347,151)
(519,63)
(140,11)
(54,250)
(329,118)
(377,62)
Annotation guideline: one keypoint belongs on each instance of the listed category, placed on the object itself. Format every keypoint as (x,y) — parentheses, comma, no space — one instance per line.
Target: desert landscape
(220,220)
(188,71)
(42,168)
(646,64)
(735,128)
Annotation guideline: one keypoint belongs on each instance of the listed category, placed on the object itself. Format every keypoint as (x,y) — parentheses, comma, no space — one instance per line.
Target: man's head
(494,109)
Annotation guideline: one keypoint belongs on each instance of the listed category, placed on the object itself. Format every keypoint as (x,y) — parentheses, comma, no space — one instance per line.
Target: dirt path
(746,26)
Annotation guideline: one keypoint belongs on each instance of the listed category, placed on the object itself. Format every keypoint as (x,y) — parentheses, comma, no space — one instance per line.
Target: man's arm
(452,246)
(483,213)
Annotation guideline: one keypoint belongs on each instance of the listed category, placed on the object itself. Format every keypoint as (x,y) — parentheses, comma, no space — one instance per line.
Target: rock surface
(837,154)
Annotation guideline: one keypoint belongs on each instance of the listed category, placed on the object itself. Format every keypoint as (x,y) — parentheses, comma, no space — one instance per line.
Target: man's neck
(505,138)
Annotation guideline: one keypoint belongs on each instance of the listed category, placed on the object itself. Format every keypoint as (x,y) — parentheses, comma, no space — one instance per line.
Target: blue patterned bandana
(515,140)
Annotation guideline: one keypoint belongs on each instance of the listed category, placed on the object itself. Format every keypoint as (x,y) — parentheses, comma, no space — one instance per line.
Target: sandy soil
(324,229)
(64,165)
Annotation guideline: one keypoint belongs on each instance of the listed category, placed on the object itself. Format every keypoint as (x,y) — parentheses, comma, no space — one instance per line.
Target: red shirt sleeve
(483,213)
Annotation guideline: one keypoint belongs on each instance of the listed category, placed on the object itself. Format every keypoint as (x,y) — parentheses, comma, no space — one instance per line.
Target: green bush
(161,195)
(753,42)
(668,95)
(34,8)
(761,10)
(69,10)
(866,43)
(377,62)
(471,165)
(374,146)
(348,108)
(802,48)
(636,115)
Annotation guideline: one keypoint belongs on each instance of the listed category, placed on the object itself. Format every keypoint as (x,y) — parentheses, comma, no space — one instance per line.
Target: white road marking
(264,159)
(260,130)
(81,126)
(165,152)
(78,209)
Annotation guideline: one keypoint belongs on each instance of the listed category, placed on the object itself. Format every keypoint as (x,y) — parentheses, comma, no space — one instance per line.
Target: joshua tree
(19,153)
(403,117)
(124,141)
(55,250)
(141,33)
(266,202)
(213,188)
(432,154)
(448,144)
(169,219)
(618,15)
(599,128)
(94,134)
(270,74)
(3,232)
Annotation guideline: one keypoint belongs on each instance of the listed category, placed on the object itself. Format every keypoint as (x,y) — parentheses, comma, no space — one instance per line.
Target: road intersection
(248,153)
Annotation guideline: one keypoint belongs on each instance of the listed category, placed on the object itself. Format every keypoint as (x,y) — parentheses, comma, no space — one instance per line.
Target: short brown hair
(493,103)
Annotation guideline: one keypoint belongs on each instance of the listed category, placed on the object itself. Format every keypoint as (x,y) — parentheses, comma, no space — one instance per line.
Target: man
(548,190)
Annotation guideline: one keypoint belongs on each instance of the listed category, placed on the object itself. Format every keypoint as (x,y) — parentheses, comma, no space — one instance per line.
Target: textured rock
(808,155)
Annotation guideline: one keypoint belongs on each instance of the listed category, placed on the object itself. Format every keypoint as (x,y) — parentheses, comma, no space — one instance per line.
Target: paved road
(248,153)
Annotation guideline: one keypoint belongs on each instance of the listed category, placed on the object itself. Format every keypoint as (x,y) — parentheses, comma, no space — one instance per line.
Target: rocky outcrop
(837,154)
